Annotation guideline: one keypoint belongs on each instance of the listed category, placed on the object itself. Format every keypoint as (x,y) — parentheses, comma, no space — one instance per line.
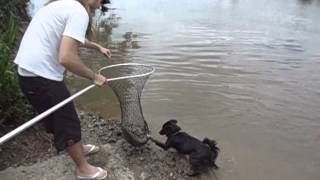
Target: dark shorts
(64,123)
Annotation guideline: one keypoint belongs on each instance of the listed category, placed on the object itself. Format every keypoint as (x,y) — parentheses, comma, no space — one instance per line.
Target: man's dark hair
(104,9)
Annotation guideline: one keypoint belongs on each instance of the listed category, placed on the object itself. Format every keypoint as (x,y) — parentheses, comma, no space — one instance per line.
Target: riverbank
(33,157)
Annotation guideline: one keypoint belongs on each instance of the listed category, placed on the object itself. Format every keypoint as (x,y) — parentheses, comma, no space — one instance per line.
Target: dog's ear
(174,128)
(170,127)
(173,121)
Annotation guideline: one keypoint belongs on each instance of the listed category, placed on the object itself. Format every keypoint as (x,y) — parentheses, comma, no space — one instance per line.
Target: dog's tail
(214,149)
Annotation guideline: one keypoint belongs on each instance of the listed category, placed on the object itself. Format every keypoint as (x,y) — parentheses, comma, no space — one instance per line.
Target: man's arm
(70,59)
(92,45)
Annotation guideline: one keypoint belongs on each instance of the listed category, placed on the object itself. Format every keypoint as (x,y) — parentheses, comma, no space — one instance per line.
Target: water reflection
(232,70)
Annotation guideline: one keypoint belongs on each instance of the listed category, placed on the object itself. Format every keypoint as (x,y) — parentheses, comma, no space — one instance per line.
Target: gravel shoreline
(35,158)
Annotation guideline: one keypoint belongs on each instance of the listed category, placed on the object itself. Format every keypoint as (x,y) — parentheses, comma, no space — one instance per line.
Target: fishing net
(128,82)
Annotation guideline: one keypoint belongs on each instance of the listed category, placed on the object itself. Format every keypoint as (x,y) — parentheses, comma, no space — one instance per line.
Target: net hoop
(128,77)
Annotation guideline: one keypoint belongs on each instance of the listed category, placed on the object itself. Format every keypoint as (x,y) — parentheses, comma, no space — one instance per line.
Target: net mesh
(128,91)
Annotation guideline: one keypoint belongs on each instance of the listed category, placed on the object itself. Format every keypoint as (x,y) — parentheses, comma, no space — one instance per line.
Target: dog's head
(170,127)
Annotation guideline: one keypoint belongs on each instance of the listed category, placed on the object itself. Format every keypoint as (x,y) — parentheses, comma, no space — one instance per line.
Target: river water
(243,72)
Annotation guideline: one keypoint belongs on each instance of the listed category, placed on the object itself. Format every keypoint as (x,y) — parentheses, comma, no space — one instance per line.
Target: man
(49,46)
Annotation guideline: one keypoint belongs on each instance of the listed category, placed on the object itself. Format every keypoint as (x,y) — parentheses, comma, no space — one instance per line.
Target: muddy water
(245,73)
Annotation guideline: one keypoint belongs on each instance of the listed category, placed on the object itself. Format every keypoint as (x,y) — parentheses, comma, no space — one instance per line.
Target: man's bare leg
(83,167)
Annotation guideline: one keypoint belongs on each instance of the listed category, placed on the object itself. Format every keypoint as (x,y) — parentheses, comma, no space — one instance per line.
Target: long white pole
(46,113)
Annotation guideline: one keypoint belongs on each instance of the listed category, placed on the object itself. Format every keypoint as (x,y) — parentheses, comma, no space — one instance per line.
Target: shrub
(13,105)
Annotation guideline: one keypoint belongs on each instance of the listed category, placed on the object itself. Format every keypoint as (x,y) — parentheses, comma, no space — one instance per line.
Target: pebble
(112,141)
(145,176)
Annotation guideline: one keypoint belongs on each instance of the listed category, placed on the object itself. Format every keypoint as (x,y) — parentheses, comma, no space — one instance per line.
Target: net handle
(46,113)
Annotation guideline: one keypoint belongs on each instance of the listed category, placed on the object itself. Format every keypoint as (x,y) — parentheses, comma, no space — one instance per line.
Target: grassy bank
(13,106)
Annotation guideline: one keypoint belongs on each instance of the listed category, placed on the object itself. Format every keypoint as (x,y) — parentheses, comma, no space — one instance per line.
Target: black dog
(202,154)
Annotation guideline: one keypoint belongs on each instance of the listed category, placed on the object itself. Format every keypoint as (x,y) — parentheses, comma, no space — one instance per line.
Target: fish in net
(128,89)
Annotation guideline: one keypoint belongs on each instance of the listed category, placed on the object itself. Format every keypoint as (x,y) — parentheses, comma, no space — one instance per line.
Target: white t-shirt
(38,53)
